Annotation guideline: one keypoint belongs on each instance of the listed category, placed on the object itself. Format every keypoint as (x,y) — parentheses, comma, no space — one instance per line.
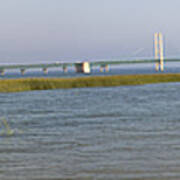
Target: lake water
(127,132)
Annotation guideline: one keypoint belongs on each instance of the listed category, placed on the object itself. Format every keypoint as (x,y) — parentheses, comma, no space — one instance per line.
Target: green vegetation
(6,128)
(28,84)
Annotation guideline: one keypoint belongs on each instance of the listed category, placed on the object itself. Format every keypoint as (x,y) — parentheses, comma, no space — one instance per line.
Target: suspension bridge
(85,67)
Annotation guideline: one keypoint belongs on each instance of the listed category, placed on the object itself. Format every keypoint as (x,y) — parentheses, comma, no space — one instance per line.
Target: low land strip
(29,84)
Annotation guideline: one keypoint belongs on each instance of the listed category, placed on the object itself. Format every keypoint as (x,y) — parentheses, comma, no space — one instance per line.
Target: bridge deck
(98,63)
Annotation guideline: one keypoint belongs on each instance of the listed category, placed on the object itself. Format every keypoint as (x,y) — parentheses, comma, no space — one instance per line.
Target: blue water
(127,132)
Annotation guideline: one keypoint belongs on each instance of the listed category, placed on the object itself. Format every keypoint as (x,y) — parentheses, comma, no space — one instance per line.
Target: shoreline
(30,84)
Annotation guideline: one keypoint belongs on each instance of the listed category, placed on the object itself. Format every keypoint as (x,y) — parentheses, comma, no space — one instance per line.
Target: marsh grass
(29,84)
(5,128)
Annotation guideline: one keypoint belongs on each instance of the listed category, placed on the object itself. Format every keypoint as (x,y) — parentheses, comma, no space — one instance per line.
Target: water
(127,132)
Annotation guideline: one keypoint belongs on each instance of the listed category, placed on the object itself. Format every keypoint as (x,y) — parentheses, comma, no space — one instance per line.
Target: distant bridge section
(82,67)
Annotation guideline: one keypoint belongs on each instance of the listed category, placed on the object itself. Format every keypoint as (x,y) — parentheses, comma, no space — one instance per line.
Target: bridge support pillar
(65,69)
(22,71)
(83,67)
(45,70)
(2,72)
(104,68)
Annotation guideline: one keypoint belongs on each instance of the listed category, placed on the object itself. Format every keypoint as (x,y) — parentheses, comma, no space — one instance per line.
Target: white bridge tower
(159,51)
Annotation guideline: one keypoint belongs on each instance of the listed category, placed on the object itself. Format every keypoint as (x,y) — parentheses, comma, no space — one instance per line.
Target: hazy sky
(55,30)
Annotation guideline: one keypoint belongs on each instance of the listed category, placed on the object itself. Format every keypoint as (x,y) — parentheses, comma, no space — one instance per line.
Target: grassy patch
(29,84)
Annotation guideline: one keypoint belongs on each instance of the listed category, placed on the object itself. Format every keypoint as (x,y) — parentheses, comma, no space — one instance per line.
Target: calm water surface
(92,133)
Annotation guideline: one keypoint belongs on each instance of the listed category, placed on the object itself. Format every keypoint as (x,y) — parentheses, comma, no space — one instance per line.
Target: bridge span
(80,67)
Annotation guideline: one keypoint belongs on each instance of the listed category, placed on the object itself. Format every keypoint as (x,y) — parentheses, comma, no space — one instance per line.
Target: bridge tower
(159,51)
